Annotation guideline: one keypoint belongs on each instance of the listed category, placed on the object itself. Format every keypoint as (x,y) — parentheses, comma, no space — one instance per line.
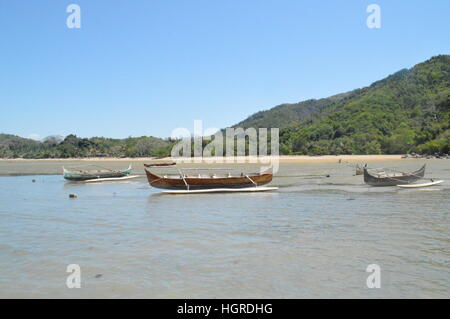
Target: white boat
(221,190)
(110,179)
(421,185)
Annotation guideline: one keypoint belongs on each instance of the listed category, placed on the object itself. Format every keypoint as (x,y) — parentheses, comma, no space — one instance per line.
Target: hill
(283,115)
(407,111)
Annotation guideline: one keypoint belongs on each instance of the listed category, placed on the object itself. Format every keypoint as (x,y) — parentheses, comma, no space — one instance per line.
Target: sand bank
(11,167)
(282,158)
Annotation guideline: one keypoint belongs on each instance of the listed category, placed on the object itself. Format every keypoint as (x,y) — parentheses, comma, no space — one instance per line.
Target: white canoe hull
(420,185)
(111,179)
(221,190)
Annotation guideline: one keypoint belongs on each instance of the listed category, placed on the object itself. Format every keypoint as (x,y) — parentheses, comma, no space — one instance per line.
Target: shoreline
(239,159)
(53,166)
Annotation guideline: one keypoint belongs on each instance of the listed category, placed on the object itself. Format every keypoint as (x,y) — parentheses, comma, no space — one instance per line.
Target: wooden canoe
(84,175)
(160,164)
(193,182)
(392,179)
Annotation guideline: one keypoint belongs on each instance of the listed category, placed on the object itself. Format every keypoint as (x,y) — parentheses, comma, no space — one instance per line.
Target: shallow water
(312,238)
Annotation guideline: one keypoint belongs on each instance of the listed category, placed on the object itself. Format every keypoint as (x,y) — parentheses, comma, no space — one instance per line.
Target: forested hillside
(408,111)
(405,112)
(283,115)
(72,146)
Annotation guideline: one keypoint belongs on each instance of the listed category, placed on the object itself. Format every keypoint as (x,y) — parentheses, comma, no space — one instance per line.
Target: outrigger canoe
(111,179)
(212,181)
(85,175)
(421,185)
(383,178)
(222,190)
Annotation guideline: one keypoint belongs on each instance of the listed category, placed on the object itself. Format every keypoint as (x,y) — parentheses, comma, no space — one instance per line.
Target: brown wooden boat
(211,181)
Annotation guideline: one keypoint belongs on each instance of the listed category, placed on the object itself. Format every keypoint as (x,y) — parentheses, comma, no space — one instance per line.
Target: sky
(146,67)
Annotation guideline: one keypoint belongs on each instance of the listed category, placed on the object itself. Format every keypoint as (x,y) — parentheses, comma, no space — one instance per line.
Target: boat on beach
(209,181)
(160,164)
(79,175)
(385,177)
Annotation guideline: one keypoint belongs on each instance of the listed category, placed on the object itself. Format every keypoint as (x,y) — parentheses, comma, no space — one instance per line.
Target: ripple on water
(312,238)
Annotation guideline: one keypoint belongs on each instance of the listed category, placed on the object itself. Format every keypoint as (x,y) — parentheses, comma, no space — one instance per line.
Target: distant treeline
(72,146)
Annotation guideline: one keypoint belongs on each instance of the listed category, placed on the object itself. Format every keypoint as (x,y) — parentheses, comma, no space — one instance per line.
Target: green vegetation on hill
(72,146)
(408,111)
(283,115)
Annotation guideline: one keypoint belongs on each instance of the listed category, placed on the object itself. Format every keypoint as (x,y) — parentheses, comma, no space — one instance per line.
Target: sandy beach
(282,158)
(13,167)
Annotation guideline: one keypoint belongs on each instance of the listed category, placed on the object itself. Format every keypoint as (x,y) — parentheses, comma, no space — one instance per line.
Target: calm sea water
(312,238)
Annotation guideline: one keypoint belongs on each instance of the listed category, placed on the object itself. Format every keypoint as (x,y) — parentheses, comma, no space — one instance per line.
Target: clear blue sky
(146,67)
